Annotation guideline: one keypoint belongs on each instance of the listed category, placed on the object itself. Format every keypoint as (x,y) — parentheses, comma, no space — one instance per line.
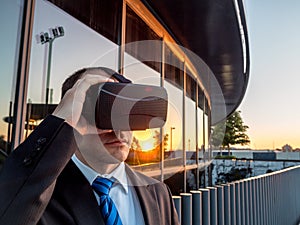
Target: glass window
(173,127)
(11,13)
(200,98)
(145,148)
(142,64)
(190,87)
(201,130)
(190,125)
(190,117)
(206,128)
(173,68)
(103,16)
(79,47)
(138,44)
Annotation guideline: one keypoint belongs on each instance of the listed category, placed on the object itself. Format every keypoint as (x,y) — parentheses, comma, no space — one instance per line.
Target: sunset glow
(145,138)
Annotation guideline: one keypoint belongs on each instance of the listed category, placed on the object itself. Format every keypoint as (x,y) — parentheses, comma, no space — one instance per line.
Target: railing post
(220,205)
(249,212)
(242,202)
(237,204)
(257,201)
(232,204)
(263,195)
(297,184)
(273,196)
(177,203)
(206,206)
(260,208)
(213,206)
(247,202)
(254,201)
(269,199)
(227,206)
(196,207)
(186,208)
(280,203)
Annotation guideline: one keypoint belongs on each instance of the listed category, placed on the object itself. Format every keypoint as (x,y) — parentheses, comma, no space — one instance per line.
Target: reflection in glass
(11,13)
(139,72)
(190,125)
(146,144)
(102,16)
(173,72)
(97,51)
(190,115)
(142,64)
(173,68)
(206,133)
(174,122)
(137,32)
(200,128)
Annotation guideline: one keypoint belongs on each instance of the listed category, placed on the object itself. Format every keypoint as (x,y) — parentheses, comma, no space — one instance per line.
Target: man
(50,178)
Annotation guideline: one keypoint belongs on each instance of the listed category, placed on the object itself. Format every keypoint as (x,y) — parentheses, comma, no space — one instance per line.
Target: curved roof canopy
(216,31)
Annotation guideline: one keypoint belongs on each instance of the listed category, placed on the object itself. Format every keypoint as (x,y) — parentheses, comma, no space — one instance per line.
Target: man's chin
(119,153)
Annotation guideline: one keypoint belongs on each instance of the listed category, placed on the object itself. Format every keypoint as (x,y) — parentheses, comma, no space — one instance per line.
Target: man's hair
(71,80)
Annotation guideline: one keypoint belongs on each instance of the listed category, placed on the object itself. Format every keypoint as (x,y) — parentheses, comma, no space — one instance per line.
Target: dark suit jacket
(40,185)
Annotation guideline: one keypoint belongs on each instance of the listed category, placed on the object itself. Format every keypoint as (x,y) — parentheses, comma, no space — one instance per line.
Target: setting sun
(147,146)
(146,139)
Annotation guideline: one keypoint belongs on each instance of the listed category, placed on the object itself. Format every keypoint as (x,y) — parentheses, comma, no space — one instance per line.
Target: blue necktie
(107,207)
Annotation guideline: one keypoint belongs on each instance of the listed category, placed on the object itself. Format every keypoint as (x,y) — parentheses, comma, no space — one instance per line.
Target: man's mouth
(116,143)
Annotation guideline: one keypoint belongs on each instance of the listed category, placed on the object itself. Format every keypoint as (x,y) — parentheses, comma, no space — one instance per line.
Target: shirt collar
(118,174)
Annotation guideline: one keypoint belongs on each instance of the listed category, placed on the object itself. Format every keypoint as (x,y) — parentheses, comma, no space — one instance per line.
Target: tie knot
(102,186)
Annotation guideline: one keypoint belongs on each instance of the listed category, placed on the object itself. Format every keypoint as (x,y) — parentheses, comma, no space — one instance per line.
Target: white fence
(269,199)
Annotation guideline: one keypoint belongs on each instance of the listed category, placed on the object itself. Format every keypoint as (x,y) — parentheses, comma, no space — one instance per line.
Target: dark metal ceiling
(210,29)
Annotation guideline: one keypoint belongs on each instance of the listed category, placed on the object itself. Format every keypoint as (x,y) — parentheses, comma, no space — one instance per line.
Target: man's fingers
(89,80)
(70,107)
(82,85)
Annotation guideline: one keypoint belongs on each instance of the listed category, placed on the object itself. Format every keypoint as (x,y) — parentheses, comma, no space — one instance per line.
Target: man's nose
(116,133)
(104,131)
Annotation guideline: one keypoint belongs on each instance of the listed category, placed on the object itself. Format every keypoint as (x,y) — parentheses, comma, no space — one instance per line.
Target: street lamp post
(44,38)
(171,135)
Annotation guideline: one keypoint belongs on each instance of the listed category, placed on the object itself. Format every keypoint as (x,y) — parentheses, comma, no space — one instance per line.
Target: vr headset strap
(121,78)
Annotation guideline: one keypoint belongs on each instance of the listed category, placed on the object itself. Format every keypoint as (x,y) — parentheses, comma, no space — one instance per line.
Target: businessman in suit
(51,178)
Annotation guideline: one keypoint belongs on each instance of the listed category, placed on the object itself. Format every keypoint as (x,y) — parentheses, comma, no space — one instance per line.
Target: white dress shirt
(122,194)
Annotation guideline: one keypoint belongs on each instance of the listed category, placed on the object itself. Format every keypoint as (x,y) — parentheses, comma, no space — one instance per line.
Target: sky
(271,106)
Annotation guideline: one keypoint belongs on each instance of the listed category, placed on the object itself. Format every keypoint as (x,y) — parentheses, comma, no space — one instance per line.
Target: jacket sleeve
(28,176)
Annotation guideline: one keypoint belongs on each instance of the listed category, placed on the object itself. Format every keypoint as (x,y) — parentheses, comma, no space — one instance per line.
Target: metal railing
(269,199)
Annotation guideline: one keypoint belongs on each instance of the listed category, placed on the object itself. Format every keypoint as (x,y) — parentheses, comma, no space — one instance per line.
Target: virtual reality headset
(126,106)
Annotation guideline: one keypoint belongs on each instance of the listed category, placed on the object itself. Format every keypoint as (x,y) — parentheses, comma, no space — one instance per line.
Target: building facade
(197,50)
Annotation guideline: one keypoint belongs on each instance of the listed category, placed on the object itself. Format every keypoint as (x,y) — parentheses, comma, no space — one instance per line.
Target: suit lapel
(77,192)
(146,194)
(79,195)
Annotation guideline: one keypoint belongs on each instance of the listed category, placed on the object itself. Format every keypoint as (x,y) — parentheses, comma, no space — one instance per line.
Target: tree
(157,140)
(135,144)
(233,132)
(287,148)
